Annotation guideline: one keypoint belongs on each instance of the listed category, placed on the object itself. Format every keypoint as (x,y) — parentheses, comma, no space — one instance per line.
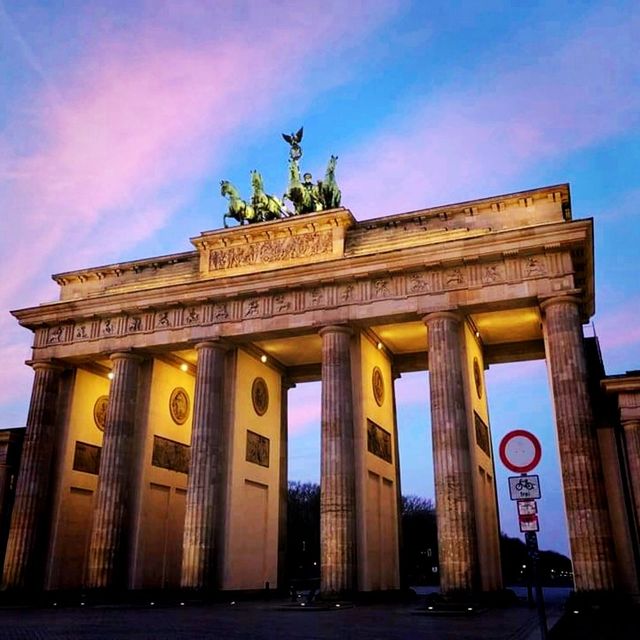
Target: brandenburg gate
(156,446)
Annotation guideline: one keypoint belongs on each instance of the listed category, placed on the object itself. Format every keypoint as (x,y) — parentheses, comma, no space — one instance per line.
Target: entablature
(475,262)
(316,238)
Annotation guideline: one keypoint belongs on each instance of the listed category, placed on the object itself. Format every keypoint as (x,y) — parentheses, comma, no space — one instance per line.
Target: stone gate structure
(156,447)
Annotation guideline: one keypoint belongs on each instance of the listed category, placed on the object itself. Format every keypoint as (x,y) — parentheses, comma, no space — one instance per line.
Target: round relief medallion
(100,412)
(477,377)
(260,396)
(179,405)
(377,382)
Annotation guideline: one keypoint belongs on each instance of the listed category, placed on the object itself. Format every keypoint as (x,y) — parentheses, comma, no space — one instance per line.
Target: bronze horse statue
(329,191)
(266,206)
(239,209)
(308,197)
(304,196)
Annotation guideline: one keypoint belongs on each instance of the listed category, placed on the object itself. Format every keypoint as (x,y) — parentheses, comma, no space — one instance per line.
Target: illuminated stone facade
(157,430)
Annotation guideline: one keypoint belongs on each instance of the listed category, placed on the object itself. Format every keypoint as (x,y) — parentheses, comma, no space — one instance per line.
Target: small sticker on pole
(527,507)
(528,523)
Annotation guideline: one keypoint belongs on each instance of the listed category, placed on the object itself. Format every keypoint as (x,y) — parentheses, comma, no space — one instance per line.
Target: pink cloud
(412,389)
(515,372)
(304,408)
(141,117)
(108,147)
(15,377)
(619,334)
(441,148)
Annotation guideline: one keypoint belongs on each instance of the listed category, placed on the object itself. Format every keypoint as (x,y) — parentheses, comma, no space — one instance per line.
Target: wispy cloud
(153,103)
(470,139)
(304,408)
(619,335)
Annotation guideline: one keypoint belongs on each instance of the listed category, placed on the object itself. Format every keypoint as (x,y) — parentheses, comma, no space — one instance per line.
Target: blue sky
(119,119)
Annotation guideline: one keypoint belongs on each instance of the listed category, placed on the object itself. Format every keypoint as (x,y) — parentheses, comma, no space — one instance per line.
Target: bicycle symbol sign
(524,487)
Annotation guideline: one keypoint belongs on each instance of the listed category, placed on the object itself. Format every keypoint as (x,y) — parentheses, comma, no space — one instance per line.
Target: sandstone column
(108,549)
(337,466)
(24,559)
(632,442)
(457,538)
(205,469)
(584,493)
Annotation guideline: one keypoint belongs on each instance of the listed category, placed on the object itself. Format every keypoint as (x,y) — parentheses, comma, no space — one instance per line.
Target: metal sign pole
(532,547)
(520,451)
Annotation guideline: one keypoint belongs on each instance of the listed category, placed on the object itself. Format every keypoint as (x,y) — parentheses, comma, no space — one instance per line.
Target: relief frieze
(281,304)
(455,277)
(317,296)
(534,267)
(381,288)
(162,320)
(221,311)
(82,332)
(134,324)
(108,327)
(304,245)
(251,308)
(417,283)
(192,316)
(491,274)
(55,335)
(347,292)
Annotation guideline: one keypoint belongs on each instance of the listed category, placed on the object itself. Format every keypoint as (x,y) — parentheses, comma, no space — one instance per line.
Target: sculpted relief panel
(304,245)
(318,296)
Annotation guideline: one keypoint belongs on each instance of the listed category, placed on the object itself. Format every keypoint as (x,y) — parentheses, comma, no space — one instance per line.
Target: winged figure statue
(294,140)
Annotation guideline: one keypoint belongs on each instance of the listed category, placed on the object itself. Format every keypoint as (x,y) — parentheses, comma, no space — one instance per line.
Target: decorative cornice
(205,319)
(119,269)
(412,261)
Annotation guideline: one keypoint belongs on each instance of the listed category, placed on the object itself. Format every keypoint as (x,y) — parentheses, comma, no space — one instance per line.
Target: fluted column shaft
(585,501)
(632,442)
(24,559)
(457,538)
(203,490)
(108,549)
(337,466)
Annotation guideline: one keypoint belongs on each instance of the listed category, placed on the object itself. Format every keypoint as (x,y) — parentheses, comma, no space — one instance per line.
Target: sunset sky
(118,119)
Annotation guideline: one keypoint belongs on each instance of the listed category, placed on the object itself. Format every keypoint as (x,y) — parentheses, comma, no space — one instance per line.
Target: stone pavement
(258,620)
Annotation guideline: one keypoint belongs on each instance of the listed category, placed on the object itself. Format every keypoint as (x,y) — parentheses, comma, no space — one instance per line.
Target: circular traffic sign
(520,451)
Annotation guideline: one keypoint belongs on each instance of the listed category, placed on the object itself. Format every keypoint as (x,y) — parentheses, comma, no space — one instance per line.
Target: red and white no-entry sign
(520,451)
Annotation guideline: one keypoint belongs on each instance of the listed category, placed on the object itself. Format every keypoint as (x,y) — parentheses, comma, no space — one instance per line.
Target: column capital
(630,424)
(569,298)
(45,365)
(437,315)
(336,328)
(126,355)
(212,344)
